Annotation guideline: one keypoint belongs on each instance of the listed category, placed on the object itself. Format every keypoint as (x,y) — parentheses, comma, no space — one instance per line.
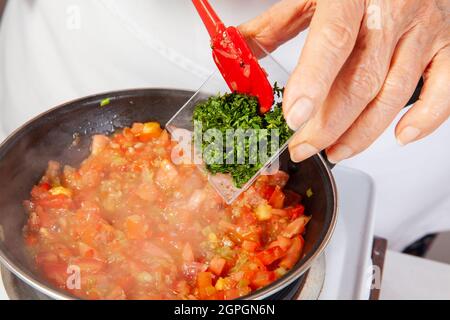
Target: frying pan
(24,156)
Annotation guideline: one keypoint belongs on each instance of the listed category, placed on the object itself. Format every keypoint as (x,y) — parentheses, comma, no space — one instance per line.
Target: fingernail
(408,135)
(338,153)
(303,151)
(299,113)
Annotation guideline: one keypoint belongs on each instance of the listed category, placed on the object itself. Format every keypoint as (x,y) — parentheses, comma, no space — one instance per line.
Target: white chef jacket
(52,51)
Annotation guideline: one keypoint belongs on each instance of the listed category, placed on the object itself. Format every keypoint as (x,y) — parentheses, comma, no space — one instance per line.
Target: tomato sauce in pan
(129,224)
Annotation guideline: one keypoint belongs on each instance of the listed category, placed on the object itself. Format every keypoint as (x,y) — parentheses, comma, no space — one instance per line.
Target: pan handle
(413,99)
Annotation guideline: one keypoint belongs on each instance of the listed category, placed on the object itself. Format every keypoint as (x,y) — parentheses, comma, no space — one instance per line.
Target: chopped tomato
(250,246)
(45,185)
(247,216)
(40,190)
(296,227)
(270,255)
(55,202)
(204,279)
(266,191)
(262,278)
(232,294)
(297,211)
(56,272)
(277,198)
(282,242)
(217,265)
(207,292)
(293,253)
(190,270)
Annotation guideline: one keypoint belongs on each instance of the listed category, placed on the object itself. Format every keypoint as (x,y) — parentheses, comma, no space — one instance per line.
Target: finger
(280,23)
(333,31)
(358,82)
(398,87)
(433,106)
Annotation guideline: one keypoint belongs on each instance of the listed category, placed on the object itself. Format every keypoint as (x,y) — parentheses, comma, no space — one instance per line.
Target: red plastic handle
(210,19)
(233,57)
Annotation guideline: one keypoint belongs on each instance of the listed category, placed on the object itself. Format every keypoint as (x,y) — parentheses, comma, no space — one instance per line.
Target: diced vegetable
(204,279)
(220,284)
(279,272)
(277,198)
(99,143)
(217,265)
(263,212)
(296,227)
(282,242)
(149,131)
(262,278)
(270,255)
(266,191)
(138,226)
(105,102)
(207,292)
(296,211)
(250,246)
(293,253)
(56,191)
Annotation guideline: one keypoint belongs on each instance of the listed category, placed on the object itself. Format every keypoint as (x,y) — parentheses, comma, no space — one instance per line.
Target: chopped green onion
(309,193)
(105,102)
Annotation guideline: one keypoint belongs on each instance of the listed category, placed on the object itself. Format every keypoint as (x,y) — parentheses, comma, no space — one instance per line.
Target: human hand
(360,65)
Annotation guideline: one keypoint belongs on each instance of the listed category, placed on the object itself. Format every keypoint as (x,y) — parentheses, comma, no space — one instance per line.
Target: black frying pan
(25,154)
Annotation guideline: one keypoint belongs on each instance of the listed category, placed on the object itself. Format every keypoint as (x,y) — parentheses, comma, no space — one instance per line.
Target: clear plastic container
(181,126)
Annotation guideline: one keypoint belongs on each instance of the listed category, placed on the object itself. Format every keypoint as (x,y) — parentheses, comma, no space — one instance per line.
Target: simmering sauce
(130,224)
